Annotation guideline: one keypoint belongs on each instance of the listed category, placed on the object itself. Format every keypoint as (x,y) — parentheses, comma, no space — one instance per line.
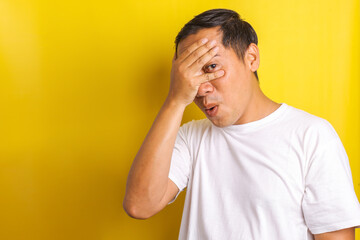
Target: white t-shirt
(285,176)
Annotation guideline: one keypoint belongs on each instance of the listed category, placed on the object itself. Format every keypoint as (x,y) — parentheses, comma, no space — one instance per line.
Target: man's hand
(149,188)
(186,72)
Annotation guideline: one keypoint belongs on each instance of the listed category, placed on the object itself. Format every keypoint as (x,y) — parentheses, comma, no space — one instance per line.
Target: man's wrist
(172,103)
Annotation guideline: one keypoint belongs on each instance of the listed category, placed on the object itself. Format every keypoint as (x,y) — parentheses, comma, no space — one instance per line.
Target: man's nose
(204,89)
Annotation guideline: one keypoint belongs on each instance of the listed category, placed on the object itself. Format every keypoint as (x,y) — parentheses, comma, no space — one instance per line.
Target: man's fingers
(199,53)
(200,62)
(189,50)
(210,76)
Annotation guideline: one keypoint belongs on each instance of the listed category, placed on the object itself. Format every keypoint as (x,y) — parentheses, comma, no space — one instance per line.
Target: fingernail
(204,40)
(216,48)
(212,43)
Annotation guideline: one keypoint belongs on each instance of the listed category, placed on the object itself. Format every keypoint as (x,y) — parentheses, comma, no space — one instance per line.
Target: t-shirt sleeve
(180,161)
(329,202)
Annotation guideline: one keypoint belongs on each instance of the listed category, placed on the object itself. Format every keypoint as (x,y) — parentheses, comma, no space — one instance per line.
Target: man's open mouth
(212,110)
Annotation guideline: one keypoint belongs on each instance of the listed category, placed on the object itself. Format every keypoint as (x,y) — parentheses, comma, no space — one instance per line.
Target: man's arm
(149,188)
(148,180)
(343,234)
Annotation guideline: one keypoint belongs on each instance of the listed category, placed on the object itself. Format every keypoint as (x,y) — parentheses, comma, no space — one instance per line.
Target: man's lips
(211,109)
(209,106)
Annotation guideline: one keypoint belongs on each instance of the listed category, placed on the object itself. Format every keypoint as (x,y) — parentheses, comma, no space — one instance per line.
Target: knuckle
(198,44)
(210,54)
(192,84)
(189,84)
(196,54)
(210,45)
(214,75)
(208,77)
(200,61)
(181,68)
(187,51)
(187,76)
(214,50)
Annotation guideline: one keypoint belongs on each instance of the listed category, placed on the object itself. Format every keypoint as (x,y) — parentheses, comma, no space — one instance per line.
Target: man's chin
(218,123)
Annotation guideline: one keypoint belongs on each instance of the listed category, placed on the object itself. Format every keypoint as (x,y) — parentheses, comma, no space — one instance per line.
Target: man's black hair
(237,33)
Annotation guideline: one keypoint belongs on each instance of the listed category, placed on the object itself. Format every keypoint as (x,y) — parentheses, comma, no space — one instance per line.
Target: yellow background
(82,81)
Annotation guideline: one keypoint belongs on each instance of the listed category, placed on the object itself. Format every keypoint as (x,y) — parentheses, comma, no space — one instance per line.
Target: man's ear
(252,57)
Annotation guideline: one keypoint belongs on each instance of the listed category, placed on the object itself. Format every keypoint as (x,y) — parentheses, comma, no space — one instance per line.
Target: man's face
(232,92)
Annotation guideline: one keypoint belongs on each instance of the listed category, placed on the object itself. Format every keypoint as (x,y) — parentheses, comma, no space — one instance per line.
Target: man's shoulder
(309,122)
(297,113)
(195,128)
(193,125)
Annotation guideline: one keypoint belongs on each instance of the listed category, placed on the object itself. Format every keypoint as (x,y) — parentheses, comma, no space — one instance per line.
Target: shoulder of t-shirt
(194,129)
(310,124)
(195,125)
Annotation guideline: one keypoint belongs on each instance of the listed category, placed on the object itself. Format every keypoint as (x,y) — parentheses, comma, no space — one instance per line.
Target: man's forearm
(148,176)
(148,181)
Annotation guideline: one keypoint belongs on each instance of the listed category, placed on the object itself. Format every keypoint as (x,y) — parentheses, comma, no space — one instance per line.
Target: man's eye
(211,67)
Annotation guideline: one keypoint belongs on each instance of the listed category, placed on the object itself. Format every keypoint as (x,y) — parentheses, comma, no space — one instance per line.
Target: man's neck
(259,107)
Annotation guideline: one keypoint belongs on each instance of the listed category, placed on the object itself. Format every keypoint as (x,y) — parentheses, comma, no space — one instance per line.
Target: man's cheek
(197,102)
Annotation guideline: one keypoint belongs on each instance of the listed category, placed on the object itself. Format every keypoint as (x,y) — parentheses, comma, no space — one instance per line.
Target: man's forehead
(209,33)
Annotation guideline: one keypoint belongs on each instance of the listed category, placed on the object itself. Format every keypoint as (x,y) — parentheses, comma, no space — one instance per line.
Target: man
(254,168)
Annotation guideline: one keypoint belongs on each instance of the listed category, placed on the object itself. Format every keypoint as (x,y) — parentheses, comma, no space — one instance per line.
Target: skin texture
(148,188)
(230,84)
(343,234)
(237,93)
